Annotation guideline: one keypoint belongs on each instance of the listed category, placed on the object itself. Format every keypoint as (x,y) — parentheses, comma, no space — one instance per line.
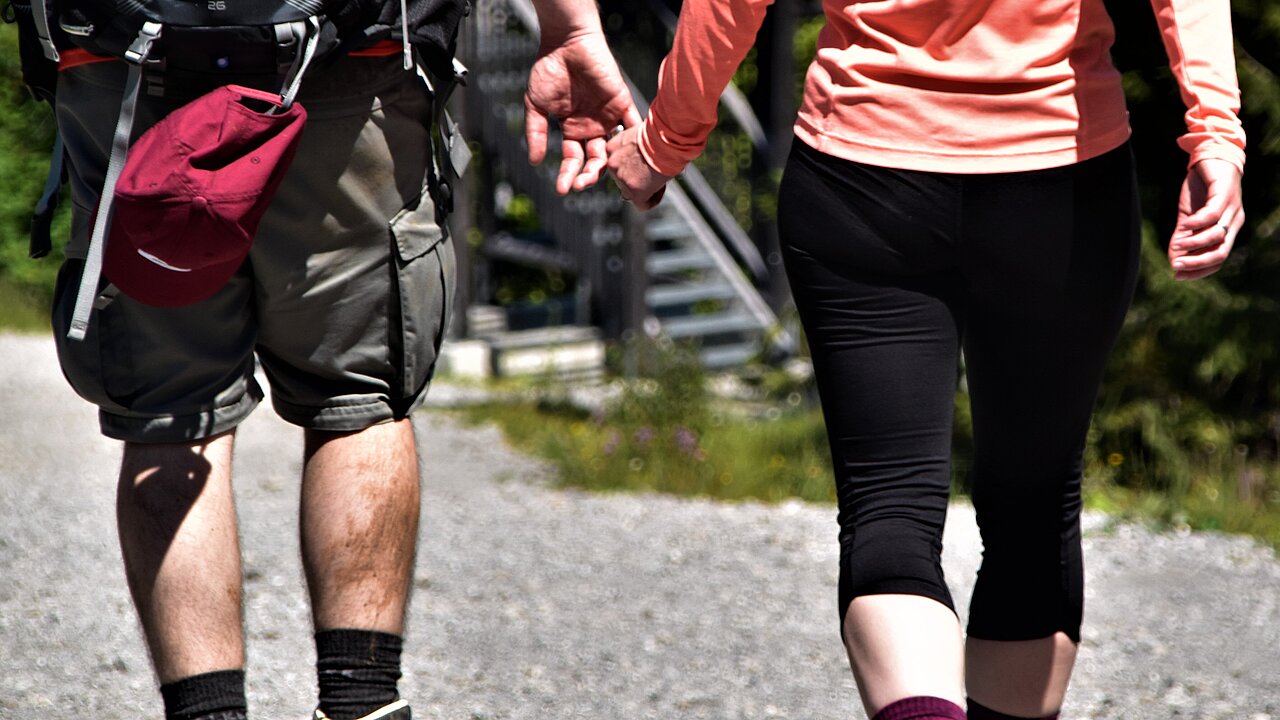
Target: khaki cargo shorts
(344,298)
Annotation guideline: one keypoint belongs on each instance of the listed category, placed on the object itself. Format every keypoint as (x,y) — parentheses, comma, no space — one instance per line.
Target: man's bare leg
(360,526)
(360,498)
(177,523)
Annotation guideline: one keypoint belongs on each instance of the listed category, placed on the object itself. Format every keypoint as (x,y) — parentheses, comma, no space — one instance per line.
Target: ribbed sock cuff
(357,671)
(921,708)
(981,712)
(216,695)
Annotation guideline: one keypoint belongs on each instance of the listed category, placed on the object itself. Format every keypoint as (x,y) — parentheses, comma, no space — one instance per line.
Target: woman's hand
(1210,215)
(640,184)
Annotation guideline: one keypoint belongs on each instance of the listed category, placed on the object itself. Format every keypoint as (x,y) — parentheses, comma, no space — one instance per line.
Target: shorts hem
(349,416)
(179,428)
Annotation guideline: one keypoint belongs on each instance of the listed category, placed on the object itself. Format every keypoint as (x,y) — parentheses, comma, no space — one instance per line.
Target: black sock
(209,696)
(357,670)
(981,712)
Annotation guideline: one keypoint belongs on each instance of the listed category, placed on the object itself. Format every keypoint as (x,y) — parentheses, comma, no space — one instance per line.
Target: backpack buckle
(141,47)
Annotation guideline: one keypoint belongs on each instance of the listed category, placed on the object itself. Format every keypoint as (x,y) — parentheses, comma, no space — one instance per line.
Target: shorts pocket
(82,360)
(425,270)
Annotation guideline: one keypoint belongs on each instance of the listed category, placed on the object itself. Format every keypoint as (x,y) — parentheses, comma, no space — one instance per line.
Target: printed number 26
(217,4)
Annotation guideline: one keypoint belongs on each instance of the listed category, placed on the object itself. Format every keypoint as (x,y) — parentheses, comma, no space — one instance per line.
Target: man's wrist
(560,21)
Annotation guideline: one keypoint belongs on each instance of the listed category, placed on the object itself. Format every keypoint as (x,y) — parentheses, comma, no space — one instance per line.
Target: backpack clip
(139,51)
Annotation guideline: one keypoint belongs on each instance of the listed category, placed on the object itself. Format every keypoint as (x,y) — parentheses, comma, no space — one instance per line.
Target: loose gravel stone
(536,602)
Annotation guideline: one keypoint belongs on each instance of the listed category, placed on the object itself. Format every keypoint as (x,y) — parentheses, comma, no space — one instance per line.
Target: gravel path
(541,603)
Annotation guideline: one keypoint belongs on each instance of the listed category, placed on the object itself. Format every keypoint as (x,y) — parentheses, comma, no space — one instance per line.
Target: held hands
(577,82)
(1210,214)
(640,184)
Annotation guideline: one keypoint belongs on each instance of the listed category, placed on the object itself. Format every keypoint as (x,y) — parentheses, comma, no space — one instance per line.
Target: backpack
(200,44)
(111,27)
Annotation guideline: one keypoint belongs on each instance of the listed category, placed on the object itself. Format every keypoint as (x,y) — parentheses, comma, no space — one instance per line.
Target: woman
(961,181)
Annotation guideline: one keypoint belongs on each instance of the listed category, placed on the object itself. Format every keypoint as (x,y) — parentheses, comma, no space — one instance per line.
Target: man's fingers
(632,117)
(570,166)
(596,159)
(535,132)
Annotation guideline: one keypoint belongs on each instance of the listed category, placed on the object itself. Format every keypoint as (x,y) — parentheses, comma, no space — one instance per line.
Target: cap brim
(152,284)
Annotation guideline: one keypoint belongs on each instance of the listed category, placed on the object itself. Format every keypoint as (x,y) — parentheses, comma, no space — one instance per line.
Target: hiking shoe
(398,710)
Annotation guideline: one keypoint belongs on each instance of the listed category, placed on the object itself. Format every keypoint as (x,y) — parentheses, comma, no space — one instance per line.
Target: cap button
(200,202)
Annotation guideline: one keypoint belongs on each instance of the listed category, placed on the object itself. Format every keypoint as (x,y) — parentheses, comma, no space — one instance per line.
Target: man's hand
(576,81)
(640,184)
(1210,214)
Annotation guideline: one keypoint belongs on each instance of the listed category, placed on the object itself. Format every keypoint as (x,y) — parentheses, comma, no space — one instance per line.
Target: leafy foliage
(26,136)
(1193,389)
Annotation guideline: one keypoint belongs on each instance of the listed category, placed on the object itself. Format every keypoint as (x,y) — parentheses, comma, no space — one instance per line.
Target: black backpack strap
(88,292)
(450,153)
(42,218)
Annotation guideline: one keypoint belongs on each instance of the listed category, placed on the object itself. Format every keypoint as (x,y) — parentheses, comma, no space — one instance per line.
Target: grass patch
(667,433)
(1245,502)
(769,458)
(672,436)
(21,310)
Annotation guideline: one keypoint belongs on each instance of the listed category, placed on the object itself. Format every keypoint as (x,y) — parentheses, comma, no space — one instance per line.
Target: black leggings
(895,271)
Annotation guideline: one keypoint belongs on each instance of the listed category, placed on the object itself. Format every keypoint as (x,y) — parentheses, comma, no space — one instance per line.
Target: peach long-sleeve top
(958,86)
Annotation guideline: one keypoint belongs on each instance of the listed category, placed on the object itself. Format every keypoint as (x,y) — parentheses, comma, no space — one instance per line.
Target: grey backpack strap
(40,11)
(459,151)
(404,35)
(88,291)
(451,154)
(308,33)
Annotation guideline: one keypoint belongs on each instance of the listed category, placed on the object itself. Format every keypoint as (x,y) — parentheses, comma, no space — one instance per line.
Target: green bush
(26,138)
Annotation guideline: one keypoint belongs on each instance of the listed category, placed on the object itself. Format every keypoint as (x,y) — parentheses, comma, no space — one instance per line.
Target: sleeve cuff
(1217,151)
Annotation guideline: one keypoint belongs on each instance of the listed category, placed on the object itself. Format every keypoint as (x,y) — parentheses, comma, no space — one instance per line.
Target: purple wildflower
(644,436)
(686,440)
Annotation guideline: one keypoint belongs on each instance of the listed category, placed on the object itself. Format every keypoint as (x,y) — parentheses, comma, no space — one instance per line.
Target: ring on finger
(617,129)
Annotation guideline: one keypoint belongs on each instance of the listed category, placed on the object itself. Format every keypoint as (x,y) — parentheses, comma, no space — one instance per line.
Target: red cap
(193,190)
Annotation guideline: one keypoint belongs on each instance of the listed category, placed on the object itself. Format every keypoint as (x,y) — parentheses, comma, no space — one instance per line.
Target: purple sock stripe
(921,708)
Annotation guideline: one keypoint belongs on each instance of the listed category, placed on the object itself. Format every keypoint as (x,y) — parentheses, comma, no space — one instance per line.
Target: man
(346,318)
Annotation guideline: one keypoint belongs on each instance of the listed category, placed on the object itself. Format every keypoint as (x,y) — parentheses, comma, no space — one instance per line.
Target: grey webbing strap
(88,291)
(453,162)
(299,69)
(405,40)
(40,11)
(459,150)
